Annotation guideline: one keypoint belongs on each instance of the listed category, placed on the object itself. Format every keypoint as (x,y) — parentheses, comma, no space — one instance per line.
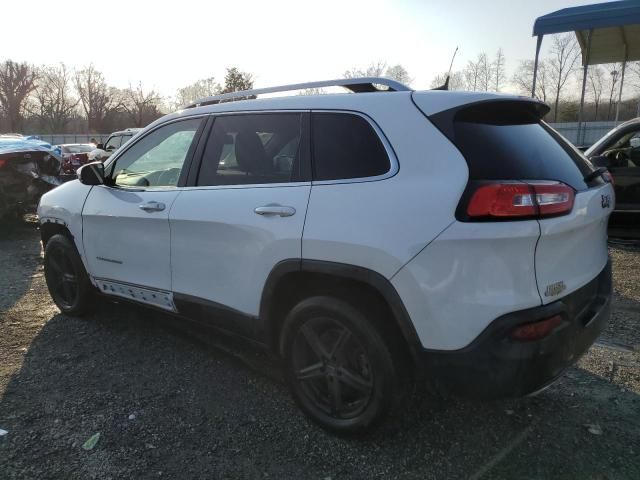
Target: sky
(169,44)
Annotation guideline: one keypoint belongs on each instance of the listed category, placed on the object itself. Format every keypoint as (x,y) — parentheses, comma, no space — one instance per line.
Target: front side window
(346,146)
(156,160)
(247,149)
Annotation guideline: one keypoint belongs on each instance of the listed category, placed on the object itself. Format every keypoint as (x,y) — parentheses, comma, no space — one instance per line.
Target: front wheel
(66,277)
(340,370)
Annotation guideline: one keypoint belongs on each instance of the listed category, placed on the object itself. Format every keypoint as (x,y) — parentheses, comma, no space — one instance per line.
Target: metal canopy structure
(607,33)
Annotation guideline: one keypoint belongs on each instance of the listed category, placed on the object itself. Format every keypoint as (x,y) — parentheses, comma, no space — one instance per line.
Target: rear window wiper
(596,173)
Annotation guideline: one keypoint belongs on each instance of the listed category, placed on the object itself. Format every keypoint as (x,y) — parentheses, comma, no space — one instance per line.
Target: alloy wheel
(332,368)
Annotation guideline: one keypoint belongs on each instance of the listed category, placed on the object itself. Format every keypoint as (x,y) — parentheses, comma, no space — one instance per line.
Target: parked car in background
(74,155)
(619,152)
(36,140)
(115,141)
(364,238)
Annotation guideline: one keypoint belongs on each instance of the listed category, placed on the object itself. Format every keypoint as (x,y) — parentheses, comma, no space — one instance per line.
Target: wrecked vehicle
(74,155)
(27,170)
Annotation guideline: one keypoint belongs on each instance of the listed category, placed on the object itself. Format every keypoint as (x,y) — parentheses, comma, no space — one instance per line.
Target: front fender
(63,206)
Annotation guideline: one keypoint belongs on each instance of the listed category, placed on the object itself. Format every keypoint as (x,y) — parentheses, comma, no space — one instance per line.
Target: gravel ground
(174,401)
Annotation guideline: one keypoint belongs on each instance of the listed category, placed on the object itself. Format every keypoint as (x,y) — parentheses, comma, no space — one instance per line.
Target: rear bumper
(495,366)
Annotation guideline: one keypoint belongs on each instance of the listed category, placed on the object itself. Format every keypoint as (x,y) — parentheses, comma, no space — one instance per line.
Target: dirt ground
(175,401)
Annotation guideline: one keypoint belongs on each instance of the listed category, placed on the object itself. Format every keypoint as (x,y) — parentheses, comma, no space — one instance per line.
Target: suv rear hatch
(521,169)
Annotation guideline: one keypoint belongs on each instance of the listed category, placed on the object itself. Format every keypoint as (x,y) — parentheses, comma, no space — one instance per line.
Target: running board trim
(150,296)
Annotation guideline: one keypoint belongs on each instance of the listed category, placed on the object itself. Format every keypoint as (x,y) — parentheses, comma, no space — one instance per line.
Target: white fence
(590,133)
(61,138)
(593,131)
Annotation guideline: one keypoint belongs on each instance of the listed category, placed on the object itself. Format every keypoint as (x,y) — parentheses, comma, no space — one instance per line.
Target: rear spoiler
(498,111)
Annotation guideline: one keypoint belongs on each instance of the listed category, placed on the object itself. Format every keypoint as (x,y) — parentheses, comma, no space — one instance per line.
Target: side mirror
(100,146)
(91,173)
(601,161)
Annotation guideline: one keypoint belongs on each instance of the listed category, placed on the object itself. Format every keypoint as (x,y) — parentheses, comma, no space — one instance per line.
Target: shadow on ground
(170,404)
(19,259)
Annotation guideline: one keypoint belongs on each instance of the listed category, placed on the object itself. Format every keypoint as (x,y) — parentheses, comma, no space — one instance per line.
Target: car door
(625,168)
(126,221)
(243,214)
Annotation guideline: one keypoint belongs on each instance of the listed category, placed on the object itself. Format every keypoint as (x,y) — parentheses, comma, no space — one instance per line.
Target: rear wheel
(340,370)
(66,277)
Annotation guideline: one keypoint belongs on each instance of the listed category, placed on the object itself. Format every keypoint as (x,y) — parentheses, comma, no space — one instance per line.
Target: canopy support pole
(535,66)
(624,65)
(585,62)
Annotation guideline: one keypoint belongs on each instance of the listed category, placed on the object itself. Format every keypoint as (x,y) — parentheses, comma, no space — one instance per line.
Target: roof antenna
(445,86)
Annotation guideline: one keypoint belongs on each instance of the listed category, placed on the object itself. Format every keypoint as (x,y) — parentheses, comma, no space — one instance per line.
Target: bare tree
(17,81)
(523,79)
(595,86)
(376,69)
(312,91)
(564,55)
(456,81)
(498,70)
(205,87)
(613,72)
(142,107)
(472,76)
(398,73)
(94,96)
(484,72)
(54,104)
(380,69)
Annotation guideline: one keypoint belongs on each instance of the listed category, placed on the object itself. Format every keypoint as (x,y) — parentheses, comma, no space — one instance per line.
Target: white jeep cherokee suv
(364,237)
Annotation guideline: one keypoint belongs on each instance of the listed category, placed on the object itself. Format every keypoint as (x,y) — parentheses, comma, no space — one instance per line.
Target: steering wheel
(622,157)
(169,177)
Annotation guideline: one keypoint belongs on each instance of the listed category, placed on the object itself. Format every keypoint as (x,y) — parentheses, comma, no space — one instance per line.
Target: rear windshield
(77,148)
(506,140)
(519,151)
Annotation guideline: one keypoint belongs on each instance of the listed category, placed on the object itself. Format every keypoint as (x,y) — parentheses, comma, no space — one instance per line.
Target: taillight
(536,330)
(2,163)
(536,199)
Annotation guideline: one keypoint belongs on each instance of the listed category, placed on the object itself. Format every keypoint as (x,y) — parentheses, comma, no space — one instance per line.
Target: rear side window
(502,142)
(253,149)
(346,146)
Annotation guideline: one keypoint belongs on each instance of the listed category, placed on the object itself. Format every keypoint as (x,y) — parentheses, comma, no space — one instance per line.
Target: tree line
(58,99)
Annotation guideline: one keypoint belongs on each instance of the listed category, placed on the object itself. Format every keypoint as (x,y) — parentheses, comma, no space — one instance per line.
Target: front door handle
(152,207)
(275,210)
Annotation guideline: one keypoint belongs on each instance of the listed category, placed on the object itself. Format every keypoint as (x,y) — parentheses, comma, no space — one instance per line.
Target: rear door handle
(152,207)
(275,210)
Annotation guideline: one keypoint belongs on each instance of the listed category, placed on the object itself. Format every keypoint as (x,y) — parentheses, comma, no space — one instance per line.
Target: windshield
(77,148)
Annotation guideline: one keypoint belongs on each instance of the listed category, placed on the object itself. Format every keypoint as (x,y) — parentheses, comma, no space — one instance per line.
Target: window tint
(527,150)
(253,149)
(346,146)
(156,160)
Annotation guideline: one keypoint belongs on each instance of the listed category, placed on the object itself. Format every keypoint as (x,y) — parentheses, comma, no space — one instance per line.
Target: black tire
(66,277)
(339,368)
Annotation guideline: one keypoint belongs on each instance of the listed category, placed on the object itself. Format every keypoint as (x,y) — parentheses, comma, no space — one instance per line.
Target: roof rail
(356,85)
